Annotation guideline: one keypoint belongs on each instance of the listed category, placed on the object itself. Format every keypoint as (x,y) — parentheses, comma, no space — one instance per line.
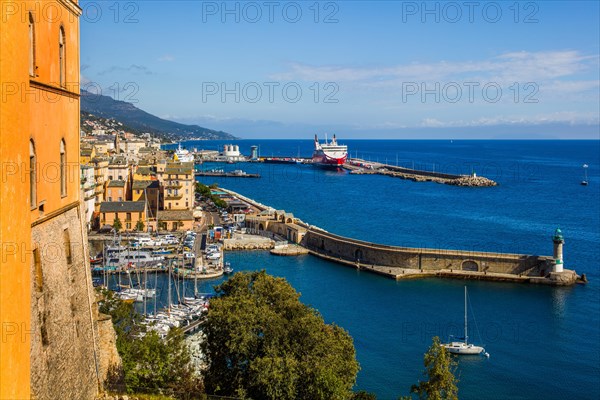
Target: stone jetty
(361,167)
(289,250)
(248,242)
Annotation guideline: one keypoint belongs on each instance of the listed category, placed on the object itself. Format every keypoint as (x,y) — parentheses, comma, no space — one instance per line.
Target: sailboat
(464,347)
(584,182)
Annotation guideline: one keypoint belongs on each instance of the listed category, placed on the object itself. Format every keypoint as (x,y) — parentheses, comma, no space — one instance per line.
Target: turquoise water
(543,341)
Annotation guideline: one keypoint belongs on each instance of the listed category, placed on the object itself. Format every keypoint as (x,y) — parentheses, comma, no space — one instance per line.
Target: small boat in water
(462,346)
(584,182)
(227,269)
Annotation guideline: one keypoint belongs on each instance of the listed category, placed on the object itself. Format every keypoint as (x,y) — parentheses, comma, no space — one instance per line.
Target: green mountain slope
(130,115)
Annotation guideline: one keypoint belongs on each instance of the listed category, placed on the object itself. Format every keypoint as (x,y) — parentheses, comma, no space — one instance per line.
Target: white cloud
(504,69)
(166,58)
(563,117)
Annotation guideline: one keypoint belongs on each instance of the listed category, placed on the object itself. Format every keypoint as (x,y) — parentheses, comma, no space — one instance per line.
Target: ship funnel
(316,139)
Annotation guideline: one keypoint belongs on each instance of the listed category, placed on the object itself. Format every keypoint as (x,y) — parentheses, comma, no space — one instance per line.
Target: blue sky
(361,69)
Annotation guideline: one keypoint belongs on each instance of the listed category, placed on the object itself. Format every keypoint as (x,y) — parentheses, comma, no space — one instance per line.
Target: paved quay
(245,241)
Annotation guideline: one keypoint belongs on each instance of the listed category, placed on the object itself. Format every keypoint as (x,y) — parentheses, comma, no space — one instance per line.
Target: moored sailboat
(462,346)
(584,182)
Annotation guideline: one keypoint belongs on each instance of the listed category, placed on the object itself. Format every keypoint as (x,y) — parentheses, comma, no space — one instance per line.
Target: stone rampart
(365,253)
(64,342)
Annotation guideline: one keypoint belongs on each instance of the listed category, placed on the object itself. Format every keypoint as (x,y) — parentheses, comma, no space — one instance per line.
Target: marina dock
(223,174)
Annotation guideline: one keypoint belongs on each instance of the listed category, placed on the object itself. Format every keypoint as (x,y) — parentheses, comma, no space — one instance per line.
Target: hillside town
(128,178)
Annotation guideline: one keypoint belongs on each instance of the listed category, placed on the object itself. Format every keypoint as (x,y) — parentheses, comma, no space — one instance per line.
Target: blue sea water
(543,341)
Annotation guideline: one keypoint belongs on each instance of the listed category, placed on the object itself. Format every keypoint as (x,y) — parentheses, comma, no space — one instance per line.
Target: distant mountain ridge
(130,115)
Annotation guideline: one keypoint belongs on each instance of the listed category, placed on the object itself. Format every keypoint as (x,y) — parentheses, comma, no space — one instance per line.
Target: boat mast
(156,289)
(196,276)
(169,282)
(145,289)
(466,338)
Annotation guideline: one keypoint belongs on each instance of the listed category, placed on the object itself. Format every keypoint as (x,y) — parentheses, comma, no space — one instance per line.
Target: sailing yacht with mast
(584,182)
(464,347)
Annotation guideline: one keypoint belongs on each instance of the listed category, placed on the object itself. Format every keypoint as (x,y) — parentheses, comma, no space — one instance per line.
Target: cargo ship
(329,154)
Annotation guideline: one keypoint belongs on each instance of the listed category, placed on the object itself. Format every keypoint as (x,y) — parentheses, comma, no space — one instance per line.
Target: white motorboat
(462,346)
(135,257)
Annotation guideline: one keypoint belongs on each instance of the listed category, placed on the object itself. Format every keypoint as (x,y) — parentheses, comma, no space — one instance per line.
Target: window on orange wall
(62,56)
(31,45)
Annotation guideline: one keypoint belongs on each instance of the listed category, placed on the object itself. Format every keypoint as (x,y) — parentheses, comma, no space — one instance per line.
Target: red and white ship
(329,154)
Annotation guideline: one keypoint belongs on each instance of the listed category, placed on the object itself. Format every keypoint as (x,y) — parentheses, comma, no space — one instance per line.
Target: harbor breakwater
(362,167)
(406,263)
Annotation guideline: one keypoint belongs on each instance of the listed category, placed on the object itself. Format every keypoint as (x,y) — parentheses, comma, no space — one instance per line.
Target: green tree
(139,226)
(363,395)
(150,364)
(202,189)
(263,343)
(439,369)
(117,225)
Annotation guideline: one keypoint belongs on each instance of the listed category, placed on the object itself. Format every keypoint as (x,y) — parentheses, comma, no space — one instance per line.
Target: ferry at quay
(329,154)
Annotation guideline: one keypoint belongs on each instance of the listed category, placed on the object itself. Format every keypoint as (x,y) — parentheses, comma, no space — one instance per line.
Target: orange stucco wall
(15,228)
(55,110)
(30,107)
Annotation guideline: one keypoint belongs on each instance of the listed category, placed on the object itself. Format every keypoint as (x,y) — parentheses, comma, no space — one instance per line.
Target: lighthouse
(558,241)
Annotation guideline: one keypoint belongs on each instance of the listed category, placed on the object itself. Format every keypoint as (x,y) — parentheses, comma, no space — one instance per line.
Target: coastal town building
(103,148)
(175,220)
(178,186)
(118,168)
(278,222)
(141,175)
(129,213)
(101,176)
(116,190)
(88,188)
(86,154)
(149,192)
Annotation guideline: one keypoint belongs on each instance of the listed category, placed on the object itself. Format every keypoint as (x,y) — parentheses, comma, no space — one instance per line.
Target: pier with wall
(406,263)
(361,167)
